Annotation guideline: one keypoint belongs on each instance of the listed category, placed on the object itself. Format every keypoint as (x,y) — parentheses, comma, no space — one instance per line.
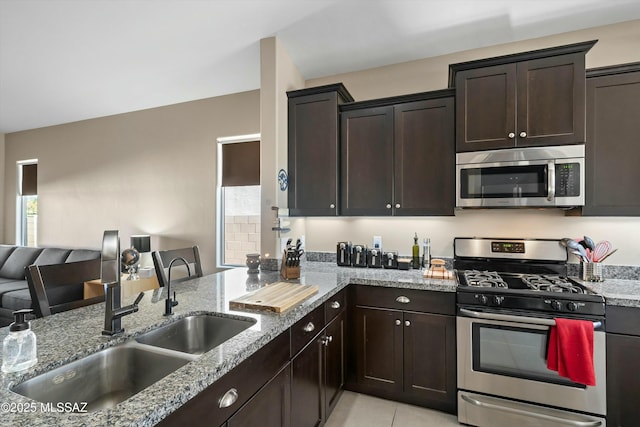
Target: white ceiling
(63,61)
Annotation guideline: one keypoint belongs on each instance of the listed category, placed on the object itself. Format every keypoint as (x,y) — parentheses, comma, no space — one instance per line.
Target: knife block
(288,272)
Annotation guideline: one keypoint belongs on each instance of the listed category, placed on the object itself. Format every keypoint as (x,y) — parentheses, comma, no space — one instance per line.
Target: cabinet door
(424,173)
(485,108)
(313,155)
(430,359)
(612,148)
(306,386)
(366,165)
(378,335)
(623,380)
(551,101)
(270,407)
(334,362)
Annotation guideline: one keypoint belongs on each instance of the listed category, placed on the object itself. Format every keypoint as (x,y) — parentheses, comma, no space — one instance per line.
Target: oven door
(504,355)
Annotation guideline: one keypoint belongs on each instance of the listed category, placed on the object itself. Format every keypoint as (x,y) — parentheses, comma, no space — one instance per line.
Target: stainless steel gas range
(509,292)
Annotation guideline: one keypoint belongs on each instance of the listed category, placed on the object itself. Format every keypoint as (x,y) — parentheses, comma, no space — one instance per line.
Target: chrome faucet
(110,278)
(170,303)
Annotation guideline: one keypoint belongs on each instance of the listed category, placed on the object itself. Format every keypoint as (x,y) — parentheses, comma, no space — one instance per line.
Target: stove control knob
(572,306)
(556,305)
(483,299)
(498,300)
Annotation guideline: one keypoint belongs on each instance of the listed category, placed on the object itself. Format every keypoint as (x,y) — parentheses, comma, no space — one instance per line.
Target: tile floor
(360,410)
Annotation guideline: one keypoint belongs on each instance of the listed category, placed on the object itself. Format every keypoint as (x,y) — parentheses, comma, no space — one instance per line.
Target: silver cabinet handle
(326,340)
(335,305)
(228,399)
(398,322)
(523,134)
(407,323)
(397,205)
(511,318)
(309,327)
(478,402)
(388,205)
(511,135)
(332,206)
(403,300)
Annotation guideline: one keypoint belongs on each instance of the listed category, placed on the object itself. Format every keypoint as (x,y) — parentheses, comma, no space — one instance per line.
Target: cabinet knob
(228,399)
(335,305)
(403,300)
(332,206)
(309,327)
(397,205)
(512,135)
(407,323)
(523,134)
(398,322)
(388,205)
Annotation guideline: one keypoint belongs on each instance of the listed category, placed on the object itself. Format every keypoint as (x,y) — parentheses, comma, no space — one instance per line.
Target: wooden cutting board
(276,297)
(436,273)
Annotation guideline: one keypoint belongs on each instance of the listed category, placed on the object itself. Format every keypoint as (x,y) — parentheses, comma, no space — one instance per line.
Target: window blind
(29,180)
(241,164)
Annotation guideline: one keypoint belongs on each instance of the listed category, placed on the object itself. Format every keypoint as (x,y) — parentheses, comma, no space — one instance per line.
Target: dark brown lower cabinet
(317,376)
(404,355)
(623,366)
(270,407)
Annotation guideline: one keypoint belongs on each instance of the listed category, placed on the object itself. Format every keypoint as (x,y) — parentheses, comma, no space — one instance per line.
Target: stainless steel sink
(103,379)
(196,334)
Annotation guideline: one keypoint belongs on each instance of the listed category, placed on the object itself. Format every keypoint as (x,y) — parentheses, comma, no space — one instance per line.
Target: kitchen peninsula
(74,334)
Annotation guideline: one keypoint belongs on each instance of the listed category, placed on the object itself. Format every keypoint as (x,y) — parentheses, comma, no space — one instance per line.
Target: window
(27,204)
(238,222)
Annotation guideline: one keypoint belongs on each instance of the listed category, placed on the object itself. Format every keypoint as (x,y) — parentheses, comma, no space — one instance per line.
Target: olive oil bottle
(415,253)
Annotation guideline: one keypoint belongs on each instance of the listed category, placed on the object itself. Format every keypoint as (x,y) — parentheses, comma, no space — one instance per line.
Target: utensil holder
(289,272)
(591,272)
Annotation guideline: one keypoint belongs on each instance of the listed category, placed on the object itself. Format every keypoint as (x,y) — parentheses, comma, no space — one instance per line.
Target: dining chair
(60,287)
(162,259)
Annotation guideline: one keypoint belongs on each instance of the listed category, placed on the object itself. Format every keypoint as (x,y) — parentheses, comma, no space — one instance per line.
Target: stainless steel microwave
(521,177)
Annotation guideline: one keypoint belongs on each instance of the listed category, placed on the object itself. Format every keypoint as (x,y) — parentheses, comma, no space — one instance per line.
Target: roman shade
(241,164)
(29,180)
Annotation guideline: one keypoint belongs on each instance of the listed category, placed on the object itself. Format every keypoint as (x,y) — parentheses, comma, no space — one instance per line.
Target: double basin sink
(110,376)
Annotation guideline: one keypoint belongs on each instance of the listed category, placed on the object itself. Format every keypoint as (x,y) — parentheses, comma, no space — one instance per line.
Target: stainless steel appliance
(343,253)
(521,177)
(509,292)
(359,256)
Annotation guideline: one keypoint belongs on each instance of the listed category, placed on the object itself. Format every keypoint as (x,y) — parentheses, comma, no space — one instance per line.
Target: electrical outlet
(377,242)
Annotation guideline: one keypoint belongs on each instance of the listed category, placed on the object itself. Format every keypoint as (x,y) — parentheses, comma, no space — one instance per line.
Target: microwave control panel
(567,179)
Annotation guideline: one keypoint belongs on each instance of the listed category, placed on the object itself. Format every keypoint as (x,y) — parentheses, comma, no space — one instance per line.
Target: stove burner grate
(550,283)
(484,279)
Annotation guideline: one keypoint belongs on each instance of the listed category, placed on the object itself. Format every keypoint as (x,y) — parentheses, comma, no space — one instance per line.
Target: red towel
(570,350)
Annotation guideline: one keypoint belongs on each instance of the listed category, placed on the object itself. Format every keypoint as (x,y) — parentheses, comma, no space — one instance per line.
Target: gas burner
(484,279)
(551,284)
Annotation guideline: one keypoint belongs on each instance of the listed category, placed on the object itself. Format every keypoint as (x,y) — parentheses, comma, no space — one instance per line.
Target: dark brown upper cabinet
(528,99)
(313,149)
(397,156)
(612,148)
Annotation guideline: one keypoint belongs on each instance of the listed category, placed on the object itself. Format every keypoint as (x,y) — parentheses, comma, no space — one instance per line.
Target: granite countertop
(71,335)
(619,292)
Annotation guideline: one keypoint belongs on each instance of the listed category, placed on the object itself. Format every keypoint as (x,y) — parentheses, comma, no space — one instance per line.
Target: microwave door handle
(517,319)
(551,181)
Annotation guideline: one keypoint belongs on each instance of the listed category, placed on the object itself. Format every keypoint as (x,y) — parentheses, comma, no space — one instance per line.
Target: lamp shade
(142,242)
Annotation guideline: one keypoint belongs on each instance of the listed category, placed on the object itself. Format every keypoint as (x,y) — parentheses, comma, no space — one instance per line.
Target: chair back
(60,287)
(162,259)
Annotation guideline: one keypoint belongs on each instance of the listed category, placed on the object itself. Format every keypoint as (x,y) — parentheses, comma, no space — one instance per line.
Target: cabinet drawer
(334,306)
(306,328)
(414,300)
(246,379)
(623,320)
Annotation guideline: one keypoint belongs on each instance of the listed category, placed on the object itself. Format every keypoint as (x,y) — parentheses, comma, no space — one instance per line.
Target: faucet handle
(137,301)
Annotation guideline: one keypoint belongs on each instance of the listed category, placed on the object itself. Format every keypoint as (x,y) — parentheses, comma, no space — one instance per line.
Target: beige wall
(617,44)
(151,172)
(278,74)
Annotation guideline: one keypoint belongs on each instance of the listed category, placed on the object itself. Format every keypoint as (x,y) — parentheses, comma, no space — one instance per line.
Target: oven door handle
(517,319)
(546,417)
